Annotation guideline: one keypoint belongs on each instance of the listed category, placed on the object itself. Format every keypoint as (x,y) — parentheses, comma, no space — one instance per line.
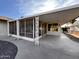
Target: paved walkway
(7,50)
(51,47)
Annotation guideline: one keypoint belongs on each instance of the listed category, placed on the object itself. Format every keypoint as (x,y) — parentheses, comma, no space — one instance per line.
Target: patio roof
(5,18)
(52,11)
(61,15)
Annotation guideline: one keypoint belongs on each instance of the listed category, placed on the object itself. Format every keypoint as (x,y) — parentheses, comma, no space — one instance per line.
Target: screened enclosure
(26,27)
(12,27)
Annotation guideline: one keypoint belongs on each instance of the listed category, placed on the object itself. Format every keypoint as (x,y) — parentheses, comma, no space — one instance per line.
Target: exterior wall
(52,32)
(3,27)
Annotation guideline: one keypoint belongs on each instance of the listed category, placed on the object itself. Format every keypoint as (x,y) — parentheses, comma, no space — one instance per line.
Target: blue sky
(18,8)
(9,8)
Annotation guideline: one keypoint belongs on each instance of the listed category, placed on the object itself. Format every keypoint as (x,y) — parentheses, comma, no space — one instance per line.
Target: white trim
(52,11)
(47,27)
(21,37)
(27,38)
(38,38)
(33,28)
(41,29)
(12,20)
(17,27)
(25,28)
(5,18)
(8,27)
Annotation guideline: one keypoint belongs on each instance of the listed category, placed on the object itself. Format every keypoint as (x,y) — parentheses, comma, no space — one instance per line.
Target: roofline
(52,11)
(5,18)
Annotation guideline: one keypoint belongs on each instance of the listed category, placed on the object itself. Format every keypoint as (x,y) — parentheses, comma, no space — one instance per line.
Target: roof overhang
(5,18)
(61,15)
(52,11)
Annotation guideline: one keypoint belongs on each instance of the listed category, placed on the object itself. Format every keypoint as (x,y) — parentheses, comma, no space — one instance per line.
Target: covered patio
(35,27)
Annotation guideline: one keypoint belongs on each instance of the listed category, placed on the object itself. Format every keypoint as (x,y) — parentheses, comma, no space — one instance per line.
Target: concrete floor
(51,47)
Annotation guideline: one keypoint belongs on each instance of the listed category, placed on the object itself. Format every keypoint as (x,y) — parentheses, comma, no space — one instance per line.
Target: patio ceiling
(60,16)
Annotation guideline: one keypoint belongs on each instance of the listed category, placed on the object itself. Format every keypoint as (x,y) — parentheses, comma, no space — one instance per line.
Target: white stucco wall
(3,28)
(53,33)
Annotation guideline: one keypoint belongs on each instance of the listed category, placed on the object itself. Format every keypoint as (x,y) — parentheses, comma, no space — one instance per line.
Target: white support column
(25,28)
(37,30)
(47,28)
(41,30)
(33,28)
(59,30)
(17,27)
(8,27)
